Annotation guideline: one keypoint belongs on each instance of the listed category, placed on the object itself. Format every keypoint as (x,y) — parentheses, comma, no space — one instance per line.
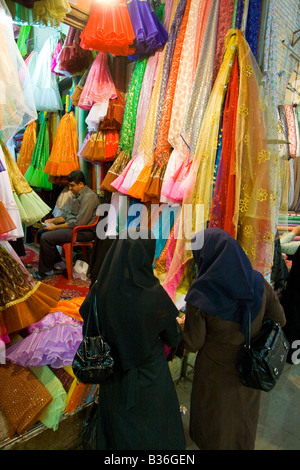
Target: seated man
(59,229)
(288,246)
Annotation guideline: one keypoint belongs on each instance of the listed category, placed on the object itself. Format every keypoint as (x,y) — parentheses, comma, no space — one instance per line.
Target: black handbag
(263,358)
(93,362)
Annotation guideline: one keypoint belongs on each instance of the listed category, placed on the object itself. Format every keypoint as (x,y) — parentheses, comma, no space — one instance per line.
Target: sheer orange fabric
(33,308)
(63,158)
(6,222)
(69,307)
(27,147)
(109,29)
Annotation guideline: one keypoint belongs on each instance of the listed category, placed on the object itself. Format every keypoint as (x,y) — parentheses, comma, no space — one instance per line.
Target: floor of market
(279,421)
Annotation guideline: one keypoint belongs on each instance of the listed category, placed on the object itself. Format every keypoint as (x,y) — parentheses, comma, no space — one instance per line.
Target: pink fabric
(99,85)
(290,117)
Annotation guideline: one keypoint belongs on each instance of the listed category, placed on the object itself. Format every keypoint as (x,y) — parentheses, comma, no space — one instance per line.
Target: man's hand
(50,227)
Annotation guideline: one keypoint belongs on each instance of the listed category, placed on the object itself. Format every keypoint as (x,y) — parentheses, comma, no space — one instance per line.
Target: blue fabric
(239,14)
(253,25)
(227,285)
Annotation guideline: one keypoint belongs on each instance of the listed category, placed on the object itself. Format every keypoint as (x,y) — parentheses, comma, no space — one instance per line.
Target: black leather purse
(262,360)
(93,362)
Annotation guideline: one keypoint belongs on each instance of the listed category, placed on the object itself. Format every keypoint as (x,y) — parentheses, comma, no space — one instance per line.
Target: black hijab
(133,308)
(226,283)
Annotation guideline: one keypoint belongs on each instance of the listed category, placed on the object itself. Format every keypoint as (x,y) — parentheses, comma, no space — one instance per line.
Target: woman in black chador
(138,408)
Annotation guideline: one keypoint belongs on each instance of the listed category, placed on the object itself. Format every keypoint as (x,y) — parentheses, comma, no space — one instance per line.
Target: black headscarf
(226,284)
(133,308)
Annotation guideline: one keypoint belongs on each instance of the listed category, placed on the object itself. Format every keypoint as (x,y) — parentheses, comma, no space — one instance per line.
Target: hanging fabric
(27,147)
(35,174)
(63,158)
(254,125)
(109,29)
(31,207)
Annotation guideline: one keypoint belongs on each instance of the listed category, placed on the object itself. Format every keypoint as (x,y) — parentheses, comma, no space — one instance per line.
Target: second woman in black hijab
(138,409)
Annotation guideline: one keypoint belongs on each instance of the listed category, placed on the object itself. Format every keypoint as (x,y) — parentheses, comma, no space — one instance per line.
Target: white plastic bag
(80,270)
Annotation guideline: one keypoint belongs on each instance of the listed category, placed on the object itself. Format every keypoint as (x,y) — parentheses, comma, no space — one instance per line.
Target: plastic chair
(68,247)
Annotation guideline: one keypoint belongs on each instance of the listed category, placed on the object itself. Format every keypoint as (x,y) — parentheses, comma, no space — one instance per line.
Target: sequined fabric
(23,399)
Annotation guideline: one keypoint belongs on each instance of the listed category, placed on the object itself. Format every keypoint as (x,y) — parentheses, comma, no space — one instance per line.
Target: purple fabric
(52,341)
(149,32)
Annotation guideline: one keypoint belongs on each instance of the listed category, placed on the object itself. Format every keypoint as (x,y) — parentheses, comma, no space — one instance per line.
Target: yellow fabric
(257,168)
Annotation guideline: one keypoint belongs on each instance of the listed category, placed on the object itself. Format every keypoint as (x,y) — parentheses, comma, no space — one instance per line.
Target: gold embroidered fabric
(256,166)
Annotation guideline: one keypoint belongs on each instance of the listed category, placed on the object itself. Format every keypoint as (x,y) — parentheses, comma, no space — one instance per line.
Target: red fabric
(223,203)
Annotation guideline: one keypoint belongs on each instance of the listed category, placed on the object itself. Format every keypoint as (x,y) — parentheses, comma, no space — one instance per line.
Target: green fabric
(59,396)
(23,36)
(35,174)
(132,101)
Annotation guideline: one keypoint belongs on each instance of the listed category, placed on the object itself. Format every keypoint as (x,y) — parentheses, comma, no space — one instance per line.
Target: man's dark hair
(76,176)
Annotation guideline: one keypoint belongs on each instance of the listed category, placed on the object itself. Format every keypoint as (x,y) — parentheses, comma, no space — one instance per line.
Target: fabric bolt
(131,105)
(239,14)
(253,25)
(185,75)
(202,85)
(270,58)
(54,411)
(226,9)
(223,203)
(144,98)
(23,399)
(297,130)
(292,137)
(162,149)
(150,131)
(200,183)
(149,32)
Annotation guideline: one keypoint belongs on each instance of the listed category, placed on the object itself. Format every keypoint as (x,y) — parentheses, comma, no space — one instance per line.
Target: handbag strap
(93,314)
(248,332)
